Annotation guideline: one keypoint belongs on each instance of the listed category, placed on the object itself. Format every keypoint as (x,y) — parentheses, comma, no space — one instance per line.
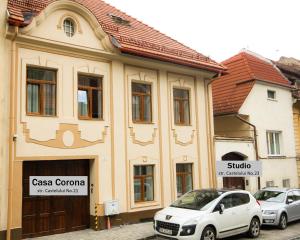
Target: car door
(226,222)
(291,207)
(241,209)
(297,203)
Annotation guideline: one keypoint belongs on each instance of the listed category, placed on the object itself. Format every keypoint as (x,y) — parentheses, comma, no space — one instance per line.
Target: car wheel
(254,229)
(208,234)
(282,221)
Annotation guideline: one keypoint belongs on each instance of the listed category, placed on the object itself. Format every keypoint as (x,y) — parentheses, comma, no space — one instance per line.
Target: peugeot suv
(209,214)
(279,206)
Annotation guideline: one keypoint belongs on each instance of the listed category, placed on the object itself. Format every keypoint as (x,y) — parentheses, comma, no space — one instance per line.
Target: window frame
(141,103)
(184,175)
(70,26)
(41,83)
(89,90)
(275,148)
(181,107)
(273,92)
(142,178)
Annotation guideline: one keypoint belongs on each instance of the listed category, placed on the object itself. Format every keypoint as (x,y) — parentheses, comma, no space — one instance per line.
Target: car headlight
(188,230)
(270,212)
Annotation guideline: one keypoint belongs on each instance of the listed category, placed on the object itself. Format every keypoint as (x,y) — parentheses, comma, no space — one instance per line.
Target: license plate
(165,231)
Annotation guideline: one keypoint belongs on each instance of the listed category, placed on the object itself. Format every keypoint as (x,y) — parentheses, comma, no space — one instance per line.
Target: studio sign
(238,168)
(58,185)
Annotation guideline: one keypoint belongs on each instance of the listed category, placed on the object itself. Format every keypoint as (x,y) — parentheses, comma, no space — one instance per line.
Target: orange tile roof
(138,38)
(243,70)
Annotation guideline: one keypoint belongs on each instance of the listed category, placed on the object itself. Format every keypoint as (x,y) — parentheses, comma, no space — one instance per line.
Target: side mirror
(289,201)
(221,208)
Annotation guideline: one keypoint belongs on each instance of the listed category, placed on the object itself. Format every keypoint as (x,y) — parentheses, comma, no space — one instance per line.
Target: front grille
(166,225)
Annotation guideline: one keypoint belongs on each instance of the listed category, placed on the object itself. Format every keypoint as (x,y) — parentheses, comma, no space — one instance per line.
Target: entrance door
(233,182)
(45,215)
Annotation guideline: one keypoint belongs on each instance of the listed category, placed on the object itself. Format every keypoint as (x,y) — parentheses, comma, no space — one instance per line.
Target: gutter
(210,132)
(255,142)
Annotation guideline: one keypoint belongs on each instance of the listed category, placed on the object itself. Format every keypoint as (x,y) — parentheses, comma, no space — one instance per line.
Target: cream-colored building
(88,90)
(253,116)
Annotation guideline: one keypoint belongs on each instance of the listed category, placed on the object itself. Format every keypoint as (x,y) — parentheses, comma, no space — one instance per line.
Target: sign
(239,168)
(58,185)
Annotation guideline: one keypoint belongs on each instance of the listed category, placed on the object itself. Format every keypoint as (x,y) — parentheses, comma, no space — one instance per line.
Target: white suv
(209,214)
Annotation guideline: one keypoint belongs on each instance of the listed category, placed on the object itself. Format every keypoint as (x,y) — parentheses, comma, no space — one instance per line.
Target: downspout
(255,142)
(211,133)
(11,134)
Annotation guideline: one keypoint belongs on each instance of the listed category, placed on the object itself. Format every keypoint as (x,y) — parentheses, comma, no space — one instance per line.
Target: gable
(49,25)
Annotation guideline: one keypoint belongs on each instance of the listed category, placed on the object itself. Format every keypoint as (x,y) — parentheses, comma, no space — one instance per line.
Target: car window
(227,201)
(244,198)
(270,196)
(297,195)
(197,200)
(291,196)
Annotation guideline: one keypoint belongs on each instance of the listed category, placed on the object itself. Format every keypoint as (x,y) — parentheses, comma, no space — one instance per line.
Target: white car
(209,214)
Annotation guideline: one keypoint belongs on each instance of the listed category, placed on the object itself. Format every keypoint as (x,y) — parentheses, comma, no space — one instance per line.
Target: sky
(222,28)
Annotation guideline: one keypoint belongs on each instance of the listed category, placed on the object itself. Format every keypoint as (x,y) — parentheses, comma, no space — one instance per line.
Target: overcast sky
(221,28)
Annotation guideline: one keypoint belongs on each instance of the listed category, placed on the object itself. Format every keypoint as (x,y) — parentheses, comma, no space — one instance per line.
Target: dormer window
(69,27)
(271,95)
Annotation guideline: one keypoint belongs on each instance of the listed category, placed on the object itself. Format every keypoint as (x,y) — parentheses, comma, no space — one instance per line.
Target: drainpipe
(255,142)
(11,134)
(211,133)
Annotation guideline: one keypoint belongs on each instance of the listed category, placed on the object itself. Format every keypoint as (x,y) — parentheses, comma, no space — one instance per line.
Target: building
(253,120)
(88,90)
(290,67)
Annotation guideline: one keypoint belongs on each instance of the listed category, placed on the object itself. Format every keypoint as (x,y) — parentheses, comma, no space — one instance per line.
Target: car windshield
(197,200)
(270,196)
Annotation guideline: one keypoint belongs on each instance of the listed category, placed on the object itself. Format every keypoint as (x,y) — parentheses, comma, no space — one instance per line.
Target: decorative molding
(67,137)
(181,143)
(74,18)
(140,142)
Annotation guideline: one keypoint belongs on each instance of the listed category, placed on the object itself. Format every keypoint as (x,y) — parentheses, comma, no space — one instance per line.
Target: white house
(253,119)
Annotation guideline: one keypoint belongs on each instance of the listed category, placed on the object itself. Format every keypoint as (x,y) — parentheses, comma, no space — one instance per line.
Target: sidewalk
(127,232)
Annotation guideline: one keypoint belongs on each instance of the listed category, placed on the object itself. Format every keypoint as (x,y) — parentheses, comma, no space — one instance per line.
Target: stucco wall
(245,148)
(230,126)
(5,48)
(278,116)
(115,144)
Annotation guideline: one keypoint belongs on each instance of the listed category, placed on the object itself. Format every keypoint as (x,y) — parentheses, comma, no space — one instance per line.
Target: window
(273,139)
(141,103)
(235,199)
(184,177)
(41,91)
(271,95)
(181,106)
(297,195)
(69,27)
(286,183)
(143,183)
(90,97)
(270,184)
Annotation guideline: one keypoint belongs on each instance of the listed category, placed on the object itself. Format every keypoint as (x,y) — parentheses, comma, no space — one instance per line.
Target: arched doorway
(233,182)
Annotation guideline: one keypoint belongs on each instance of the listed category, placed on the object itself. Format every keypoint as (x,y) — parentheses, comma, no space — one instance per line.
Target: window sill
(183,125)
(145,204)
(40,115)
(91,119)
(273,100)
(146,123)
(276,156)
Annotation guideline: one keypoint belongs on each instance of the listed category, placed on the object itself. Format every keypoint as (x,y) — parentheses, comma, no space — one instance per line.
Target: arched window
(69,27)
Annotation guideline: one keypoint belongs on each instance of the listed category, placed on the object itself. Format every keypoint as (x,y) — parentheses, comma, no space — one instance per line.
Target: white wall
(245,148)
(273,115)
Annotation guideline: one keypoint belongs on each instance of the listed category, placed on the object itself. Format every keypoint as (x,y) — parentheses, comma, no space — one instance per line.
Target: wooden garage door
(53,214)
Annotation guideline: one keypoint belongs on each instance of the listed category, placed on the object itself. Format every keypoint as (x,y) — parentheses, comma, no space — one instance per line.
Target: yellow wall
(296,116)
(5,48)
(115,144)
(230,126)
